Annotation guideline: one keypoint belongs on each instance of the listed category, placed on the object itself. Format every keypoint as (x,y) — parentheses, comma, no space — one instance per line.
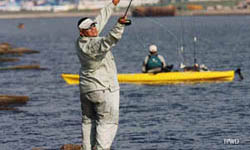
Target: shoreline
(235,12)
(25,15)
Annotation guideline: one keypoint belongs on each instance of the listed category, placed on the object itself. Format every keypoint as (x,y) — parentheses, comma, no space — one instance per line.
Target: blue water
(164,117)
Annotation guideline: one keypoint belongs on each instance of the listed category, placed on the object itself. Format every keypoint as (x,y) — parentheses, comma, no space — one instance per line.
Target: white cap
(152,48)
(86,23)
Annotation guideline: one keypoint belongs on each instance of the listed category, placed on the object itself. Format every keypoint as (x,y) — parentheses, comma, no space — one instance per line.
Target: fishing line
(238,40)
(164,29)
(207,41)
(181,51)
(197,41)
(140,40)
(194,39)
(179,45)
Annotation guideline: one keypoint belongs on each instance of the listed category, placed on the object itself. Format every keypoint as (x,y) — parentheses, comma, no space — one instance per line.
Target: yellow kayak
(165,78)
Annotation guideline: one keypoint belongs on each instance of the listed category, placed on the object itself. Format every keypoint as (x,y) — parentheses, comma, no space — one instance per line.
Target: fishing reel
(127,22)
(124,21)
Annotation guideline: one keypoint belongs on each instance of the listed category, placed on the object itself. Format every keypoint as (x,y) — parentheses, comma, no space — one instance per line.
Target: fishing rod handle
(124,21)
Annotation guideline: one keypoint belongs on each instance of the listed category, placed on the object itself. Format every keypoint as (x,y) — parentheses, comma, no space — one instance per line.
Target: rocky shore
(7,101)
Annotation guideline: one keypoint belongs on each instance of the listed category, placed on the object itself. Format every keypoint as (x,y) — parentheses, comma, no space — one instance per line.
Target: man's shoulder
(160,56)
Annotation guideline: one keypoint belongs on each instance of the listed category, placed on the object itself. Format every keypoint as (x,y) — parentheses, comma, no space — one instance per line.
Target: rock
(20,26)
(24,50)
(8,108)
(70,147)
(9,59)
(23,67)
(37,148)
(9,99)
(64,147)
(20,50)
(5,46)
(3,50)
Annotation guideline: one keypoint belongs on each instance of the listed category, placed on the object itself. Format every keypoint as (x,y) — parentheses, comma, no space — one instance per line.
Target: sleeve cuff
(112,5)
(120,25)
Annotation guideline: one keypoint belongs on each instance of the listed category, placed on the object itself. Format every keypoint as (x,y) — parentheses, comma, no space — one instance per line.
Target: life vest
(153,62)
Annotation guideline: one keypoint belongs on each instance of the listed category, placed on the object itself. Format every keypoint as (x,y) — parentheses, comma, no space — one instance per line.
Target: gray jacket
(98,69)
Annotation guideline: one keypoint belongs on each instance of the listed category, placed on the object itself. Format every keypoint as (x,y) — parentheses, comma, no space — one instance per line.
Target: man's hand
(124,20)
(115,2)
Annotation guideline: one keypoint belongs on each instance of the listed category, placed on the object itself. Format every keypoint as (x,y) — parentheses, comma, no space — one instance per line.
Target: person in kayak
(154,63)
(99,87)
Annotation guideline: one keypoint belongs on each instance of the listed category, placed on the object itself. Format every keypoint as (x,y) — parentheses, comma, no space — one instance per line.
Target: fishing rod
(128,21)
(126,12)
(195,40)
(182,45)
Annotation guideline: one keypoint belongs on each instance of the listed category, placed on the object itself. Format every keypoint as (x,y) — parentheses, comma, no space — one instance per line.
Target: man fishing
(99,87)
(154,63)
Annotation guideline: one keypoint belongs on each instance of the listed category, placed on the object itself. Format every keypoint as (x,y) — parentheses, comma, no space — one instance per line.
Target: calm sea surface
(164,117)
